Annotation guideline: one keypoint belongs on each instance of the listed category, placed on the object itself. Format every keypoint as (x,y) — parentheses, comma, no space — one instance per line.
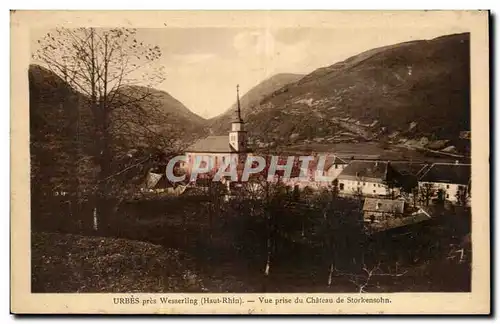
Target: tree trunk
(330,275)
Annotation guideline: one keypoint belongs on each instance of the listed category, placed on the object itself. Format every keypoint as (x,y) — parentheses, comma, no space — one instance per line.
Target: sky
(204,65)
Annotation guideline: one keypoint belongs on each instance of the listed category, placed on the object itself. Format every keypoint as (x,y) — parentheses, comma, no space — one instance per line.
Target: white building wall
(213,159)
(335,170)
(450,189)
(368,188)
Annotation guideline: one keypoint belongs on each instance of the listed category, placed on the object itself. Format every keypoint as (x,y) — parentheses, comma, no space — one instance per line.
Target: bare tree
(364,279)
(427,191)
(441,196)
(415,196)
(358,194)
(216,191)
(462,196)
(107,66)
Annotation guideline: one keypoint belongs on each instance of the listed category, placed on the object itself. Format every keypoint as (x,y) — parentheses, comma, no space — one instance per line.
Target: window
(341,186)
(447,186)
(364,183)
(447,195)
(359,183)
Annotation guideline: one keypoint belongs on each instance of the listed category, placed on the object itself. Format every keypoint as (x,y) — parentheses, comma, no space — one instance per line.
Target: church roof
(212,144)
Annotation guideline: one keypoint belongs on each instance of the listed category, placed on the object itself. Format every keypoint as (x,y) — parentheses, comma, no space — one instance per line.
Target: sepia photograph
(264,160)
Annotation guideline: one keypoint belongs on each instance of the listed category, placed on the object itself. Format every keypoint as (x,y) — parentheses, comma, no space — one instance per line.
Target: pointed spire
(238,103)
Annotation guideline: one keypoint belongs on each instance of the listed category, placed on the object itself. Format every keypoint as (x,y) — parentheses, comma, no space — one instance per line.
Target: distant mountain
(167,104)
(399,92)
(165,113)
(249,101)
(49,95)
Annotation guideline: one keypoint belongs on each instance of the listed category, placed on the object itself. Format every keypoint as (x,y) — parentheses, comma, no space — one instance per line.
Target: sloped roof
(157,181)
(212,144)
(447,173)
(333,160)
(152,179)
(383,205)
(330,161)
(357,169)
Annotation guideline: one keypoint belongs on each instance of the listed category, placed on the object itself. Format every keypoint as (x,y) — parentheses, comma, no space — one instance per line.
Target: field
(74,263)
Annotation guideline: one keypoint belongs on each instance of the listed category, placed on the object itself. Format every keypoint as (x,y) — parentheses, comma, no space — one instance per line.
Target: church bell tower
(238,135)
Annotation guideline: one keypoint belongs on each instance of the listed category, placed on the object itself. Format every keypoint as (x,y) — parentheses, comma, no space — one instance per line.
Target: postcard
(250,162)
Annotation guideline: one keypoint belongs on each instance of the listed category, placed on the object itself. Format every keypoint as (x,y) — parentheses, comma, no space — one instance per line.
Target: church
(214,151)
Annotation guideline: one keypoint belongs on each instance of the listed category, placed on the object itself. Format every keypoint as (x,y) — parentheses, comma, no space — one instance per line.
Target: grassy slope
(73,263)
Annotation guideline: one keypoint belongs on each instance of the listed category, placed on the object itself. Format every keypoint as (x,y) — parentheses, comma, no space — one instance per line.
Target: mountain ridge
(400,92)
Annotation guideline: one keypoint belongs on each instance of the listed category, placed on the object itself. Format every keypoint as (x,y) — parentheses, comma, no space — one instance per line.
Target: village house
(368,178)
(385,214)
(454,179)
(332,167)
(158,183)
(379,210)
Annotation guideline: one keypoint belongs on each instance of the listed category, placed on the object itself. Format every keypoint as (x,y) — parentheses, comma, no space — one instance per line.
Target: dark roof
(367,169)
(383,205)
(447,173)
(212,144)
(408,168)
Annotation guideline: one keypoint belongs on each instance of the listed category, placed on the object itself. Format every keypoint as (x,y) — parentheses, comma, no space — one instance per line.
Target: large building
(369,178)
(216,150)
(453,179)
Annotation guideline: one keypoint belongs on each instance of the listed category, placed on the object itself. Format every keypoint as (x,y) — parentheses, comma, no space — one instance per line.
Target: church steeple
(238,118)
(237,135)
